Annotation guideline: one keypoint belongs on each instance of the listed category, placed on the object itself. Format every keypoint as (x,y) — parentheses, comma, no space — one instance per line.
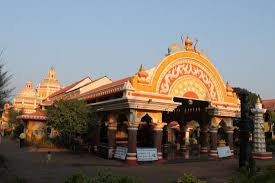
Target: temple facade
(183,101)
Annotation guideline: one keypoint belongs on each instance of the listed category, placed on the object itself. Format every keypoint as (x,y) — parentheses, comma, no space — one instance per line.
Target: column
(213,141)
(112,128)
(132,143)
(158,139)
(230,139)
(182,140)
(204,140)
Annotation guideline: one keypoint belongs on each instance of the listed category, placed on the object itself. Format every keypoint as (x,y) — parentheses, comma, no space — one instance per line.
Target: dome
(27,91)
(26,99)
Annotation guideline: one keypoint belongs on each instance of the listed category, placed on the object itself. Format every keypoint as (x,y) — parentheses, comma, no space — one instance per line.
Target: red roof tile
(269,104)
(67,88)
(37,115)
(106,86)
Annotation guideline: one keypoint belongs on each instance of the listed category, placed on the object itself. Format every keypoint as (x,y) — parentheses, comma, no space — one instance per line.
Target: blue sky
(95,38)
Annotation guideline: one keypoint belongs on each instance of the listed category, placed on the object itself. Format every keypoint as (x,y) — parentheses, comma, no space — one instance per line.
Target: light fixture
(190,102)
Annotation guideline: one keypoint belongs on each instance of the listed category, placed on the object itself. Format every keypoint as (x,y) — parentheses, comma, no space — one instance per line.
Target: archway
(122,132)
(145,134)
(103,130)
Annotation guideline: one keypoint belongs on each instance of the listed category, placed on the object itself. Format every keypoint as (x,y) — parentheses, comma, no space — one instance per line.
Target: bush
(78,178)
(18,180)
(103,176)
(18,130)
(270,145)
(264,176)
(189,178)
(3,162)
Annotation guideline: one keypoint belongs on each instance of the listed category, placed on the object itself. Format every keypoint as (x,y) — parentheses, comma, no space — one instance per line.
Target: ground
(29,162)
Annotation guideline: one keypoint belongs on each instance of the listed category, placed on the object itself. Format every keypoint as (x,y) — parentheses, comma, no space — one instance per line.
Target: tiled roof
(67,88)
(37,115)
(104,87)
(269,104)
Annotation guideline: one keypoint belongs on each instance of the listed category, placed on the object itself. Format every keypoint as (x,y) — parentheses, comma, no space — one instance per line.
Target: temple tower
(26,99)
(49,85)
(259,151)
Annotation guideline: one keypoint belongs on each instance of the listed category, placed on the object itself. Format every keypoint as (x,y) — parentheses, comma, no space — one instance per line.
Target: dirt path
(30,164)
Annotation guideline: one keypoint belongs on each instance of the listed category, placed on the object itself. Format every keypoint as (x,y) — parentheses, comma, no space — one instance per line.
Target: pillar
(158,130)
(112,128)
(132,143)
(229,140)
(213,141)
(204,141)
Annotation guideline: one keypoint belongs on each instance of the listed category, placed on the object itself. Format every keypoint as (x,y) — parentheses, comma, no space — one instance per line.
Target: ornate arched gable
(185,74)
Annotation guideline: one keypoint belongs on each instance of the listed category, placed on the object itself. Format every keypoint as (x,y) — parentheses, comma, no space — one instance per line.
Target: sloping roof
(112,85)
(269,104)
(63,90)
(37,115)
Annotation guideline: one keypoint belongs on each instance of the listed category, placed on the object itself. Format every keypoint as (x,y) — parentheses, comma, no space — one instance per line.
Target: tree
(12,116)
(5,78)
(70,118)
(252,97)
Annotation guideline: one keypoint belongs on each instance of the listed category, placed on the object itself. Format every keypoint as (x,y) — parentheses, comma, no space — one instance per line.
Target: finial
(258,100)
(142,73)
(188,44)
(228,87)
(141,68)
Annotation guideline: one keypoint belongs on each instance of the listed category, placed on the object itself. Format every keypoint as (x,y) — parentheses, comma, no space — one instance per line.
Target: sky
(96,38)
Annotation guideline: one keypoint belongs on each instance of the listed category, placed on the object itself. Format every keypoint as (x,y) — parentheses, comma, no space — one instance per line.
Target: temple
(180,101)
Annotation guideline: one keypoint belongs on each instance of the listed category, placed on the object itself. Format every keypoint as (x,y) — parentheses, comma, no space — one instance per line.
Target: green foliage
(18,180)
(18,130)
(5,78)
(70,118)
(12,116)
(264,176)
(252,97)
(103,176)
(3,162)
(78,178)
(270,145)
(189,178)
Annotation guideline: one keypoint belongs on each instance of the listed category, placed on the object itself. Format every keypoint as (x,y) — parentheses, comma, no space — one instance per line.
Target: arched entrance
(191,117)
(145,134)
(122,132)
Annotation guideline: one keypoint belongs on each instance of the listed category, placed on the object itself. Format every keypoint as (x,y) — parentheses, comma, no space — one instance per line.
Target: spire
(52,74)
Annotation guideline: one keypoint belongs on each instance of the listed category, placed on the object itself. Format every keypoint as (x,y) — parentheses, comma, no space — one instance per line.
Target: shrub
(270,145)
(18,180)
(264,176)
(2,162)
(103,176)
(189,178)
(78,178)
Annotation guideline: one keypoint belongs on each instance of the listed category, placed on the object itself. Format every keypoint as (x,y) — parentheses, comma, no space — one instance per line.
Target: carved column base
(204,150)
(213,153)
(131,159)
(262,155)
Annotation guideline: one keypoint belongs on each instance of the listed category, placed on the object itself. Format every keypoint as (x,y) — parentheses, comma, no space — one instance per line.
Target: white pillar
(259,150)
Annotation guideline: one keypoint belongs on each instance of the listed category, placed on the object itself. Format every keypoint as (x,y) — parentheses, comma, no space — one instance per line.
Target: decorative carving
(187,69)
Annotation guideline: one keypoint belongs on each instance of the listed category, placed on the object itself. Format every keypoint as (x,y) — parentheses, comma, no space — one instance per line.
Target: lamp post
(244,131)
